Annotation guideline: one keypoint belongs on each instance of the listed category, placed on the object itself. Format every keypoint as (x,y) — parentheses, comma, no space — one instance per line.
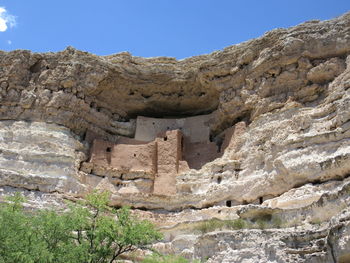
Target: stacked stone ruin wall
(195,129)
(161,159)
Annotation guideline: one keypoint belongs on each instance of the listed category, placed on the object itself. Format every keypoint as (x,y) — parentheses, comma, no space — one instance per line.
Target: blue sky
(148,28)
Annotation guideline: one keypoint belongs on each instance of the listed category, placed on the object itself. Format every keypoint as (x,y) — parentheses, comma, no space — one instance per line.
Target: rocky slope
(287,95)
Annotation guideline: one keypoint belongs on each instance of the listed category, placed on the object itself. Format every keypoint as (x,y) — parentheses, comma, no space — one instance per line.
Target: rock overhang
(289,156)
(286,68)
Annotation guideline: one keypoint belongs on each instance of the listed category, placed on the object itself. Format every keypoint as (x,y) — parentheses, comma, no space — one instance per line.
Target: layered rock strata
(281,113)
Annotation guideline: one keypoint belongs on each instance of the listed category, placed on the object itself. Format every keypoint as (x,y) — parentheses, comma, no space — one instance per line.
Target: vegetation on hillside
(90,232)
(215,224)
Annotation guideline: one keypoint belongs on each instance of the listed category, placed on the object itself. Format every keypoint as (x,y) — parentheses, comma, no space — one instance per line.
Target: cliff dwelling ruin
(160,149)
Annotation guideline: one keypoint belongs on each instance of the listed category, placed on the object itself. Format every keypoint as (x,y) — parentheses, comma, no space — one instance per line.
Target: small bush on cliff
(276,221)
(210,225)
(261,223)
(217,224)
(87,233)
(158,258)
(237,224)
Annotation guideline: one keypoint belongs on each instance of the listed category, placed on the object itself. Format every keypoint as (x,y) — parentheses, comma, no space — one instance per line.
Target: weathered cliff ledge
(81,90)
(289,89)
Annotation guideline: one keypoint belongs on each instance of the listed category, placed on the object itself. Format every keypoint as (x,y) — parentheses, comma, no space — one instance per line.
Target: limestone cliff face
(284,98)
(39,156)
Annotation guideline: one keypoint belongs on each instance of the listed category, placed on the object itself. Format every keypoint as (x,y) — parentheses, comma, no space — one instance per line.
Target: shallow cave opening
(170,110)
(219,180)
(228,203)
(228,123)
(244,116)
(83,135)
(35,67)
(108,149)
(219,141)
(261,200)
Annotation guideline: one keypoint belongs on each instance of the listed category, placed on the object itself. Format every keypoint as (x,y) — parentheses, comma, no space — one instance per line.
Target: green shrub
(236,224)
(216,224)
(276,221)
(84,234)
(210,225)
(158,258)
(261,223)
(316,221)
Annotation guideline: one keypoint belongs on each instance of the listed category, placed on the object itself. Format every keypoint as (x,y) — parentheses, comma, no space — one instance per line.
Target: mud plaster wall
(169,155)
(101,152)
(160,158)
(163,158)
(125,155)
(198,154)
(128,154)
(194,129)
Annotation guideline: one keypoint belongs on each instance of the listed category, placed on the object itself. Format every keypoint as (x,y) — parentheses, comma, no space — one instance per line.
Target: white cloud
(6,20)
(9,42)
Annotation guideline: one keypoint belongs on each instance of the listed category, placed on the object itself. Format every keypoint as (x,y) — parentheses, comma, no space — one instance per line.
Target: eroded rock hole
(36,67)
(165,138)
(260,200)
(219,180)
(219,141)
(218,136)
(211,138)
(228,203)
(108,149)
(134,154)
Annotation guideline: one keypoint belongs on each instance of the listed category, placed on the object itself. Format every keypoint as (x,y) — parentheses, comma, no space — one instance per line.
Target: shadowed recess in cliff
(155,92)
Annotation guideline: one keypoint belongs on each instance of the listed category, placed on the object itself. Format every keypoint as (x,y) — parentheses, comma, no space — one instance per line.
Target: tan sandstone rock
(276,142)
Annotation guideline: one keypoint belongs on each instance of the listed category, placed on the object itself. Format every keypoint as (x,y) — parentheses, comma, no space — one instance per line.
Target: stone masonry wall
(195,129)
(169,154)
